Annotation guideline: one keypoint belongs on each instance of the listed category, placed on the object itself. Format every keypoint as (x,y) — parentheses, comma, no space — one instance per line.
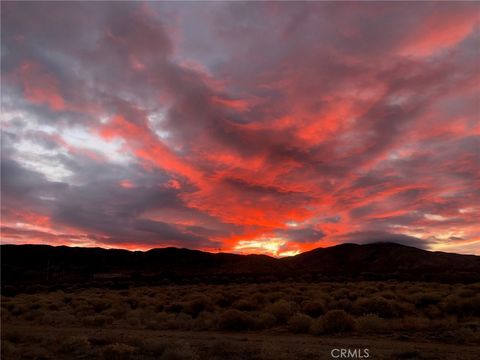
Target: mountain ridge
(46,264)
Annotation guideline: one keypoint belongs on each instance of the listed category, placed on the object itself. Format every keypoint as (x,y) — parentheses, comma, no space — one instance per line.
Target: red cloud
(39,86)
(276,131)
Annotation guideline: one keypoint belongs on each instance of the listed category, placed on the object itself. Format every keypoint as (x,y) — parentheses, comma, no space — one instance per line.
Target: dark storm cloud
(304,235)
(369,237)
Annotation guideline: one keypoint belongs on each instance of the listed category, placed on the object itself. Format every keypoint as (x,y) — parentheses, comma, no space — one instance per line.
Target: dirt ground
(46,342)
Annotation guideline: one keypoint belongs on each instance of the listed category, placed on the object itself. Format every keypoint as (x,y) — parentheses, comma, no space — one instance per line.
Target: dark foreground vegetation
(406,320)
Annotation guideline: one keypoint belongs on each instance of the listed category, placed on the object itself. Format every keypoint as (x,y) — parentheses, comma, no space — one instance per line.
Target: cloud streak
(269,127)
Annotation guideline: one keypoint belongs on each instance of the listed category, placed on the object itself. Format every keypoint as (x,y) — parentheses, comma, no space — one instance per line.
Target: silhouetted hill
(25,265)
(387,260)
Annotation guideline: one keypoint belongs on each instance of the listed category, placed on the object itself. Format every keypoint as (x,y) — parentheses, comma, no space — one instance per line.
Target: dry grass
(442,312)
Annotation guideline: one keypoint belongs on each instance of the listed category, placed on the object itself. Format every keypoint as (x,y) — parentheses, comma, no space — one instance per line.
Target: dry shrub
(387,294)
(220,300)
(205,321)
(275,296)
(196,306)
(370,323)
(75,345)
(259,298)
(423,300)
(59,318)
(235,320)
(281,309)
(342,294)
(244,305)
(83,309)
(9,350)
(299,323)
(183,322)
(462,307)
(118,351)
(433,312)
(13,336)
(416,323)
(313,308)
(377,305)
(36,352)
(174,308)
(464,335)
(466,293)
(262,320)
(334,321)
(342,304)
(17,310)
(33,315)
(132,302)
(100,305)
(117,311)
(97,321)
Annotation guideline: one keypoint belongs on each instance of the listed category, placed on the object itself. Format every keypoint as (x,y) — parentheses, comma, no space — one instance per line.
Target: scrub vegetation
(404,311)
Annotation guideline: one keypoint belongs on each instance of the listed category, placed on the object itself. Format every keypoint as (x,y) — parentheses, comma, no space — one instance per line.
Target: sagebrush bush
(377,305)
(370,323)
(235,320)
(335,321)
(76,345)
(244,305)
(97,321)
(299,323)
(462,307)
(281,309)
(262,320)
(196,306)
(424,299)
(342,304)
(313,308)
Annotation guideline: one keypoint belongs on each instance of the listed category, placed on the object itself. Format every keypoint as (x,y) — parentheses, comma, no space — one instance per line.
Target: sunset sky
(269,127)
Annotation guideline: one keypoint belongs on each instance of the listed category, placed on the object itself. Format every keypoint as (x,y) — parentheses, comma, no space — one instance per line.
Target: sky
(260,127)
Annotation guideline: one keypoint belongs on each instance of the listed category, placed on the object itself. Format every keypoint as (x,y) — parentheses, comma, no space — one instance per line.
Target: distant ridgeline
(30,267)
